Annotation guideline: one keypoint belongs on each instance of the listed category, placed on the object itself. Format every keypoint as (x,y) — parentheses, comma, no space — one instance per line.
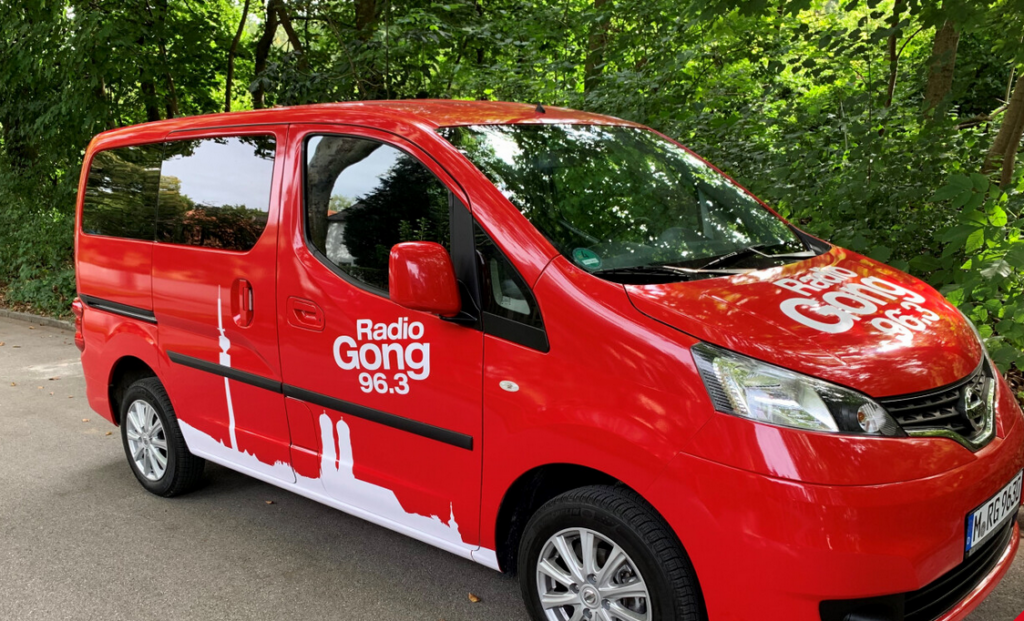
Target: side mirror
(421,277)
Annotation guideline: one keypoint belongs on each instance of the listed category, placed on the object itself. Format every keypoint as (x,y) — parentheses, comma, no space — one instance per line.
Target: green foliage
(36,237)
(817,106)
(981,268)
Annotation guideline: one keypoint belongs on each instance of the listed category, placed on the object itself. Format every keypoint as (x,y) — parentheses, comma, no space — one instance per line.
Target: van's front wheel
(602,554)
(153,443)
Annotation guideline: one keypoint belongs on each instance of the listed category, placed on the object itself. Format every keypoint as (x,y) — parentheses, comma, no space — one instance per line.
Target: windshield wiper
(664,270)
(756,249)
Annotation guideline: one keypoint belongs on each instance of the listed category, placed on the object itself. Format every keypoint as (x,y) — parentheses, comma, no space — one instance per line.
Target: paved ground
(80,539)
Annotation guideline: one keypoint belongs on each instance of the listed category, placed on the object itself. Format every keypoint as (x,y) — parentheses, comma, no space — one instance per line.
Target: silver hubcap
(584,575)
(146,440)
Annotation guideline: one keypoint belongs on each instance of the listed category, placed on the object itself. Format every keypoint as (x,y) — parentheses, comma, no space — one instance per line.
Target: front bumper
(765,547)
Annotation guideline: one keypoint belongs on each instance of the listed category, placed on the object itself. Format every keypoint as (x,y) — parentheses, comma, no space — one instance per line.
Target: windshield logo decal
(835,299)
(380,349)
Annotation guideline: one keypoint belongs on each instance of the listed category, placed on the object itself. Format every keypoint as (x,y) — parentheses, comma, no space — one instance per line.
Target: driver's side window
(362,198)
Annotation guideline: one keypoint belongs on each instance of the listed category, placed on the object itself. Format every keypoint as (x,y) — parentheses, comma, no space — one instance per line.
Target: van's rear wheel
(602,554)
(153,443)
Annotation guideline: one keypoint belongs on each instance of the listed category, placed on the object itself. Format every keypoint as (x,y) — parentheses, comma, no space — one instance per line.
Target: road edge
(40,320)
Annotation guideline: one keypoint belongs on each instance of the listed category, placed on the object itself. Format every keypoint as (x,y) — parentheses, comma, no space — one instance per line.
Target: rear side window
(120,193)
(362,198)
(215,192)
(211,192)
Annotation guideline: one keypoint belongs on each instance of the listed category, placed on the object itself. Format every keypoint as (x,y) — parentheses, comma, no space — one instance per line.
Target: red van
(556,343)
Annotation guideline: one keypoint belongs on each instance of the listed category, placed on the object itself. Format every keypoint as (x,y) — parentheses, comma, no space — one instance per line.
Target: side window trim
(503,327)
(464,262)
(320,256)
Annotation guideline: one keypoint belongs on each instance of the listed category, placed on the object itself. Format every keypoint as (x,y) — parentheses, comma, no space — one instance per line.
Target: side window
(362,198)
(505,294)
(215,192)
(120,193)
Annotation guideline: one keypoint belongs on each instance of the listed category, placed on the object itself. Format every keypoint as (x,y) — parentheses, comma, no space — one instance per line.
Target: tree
(846,116)
(1003,153)
(596,44)
(230,77)
(941,65)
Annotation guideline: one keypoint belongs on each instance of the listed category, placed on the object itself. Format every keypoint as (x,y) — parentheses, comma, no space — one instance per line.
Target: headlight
(769,394)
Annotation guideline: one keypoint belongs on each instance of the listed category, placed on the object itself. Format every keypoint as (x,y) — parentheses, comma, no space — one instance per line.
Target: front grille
(933,600)
(943,408)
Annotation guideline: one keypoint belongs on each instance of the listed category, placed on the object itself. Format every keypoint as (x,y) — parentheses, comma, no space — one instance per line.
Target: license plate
(986,520)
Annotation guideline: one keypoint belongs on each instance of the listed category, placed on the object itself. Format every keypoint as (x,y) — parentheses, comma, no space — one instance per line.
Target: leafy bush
(36,241)
(981,267)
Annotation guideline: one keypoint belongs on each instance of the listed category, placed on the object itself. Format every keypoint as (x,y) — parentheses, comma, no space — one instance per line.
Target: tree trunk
(171,99)
(293,37)
(480,51)
(263,51)
(941,65)
(366,14)
(231,57)
(894,58)
(596,44)
(149,99)
(370,84)
(1004,148)
(331,158)
(171,102)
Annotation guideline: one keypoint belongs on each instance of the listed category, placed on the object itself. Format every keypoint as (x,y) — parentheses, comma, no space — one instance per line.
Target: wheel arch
(125,371)
(529,492)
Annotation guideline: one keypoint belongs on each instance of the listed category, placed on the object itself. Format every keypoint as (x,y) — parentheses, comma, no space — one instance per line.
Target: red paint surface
(775,520)
(187,283)
(428,477)
(742,313)
(421,277)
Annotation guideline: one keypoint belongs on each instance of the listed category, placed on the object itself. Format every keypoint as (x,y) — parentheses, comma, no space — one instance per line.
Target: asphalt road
(81,539)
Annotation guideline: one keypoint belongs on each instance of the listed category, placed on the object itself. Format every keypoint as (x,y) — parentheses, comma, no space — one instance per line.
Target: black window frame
(507,328)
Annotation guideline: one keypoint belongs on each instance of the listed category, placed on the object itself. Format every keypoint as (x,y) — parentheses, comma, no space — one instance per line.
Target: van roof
(428,113)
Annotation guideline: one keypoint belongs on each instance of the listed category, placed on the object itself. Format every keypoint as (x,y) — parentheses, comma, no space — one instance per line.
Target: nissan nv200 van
(557,344)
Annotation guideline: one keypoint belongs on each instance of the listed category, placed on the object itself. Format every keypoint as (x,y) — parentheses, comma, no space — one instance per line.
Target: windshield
(615,200)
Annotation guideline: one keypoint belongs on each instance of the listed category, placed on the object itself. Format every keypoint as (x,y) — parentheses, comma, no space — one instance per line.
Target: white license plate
(985,521)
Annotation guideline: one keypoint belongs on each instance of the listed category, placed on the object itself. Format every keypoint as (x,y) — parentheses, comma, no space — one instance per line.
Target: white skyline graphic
(337,485)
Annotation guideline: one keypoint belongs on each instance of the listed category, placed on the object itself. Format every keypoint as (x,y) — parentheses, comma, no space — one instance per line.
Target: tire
(607,517)
(151,430)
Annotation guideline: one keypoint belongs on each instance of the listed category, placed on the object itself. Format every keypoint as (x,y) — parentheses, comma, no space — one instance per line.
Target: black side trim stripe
(394,421)
(218,369)
(119,309)
(440,434)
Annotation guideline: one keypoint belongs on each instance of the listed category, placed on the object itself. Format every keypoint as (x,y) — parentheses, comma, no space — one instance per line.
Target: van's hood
(839,316)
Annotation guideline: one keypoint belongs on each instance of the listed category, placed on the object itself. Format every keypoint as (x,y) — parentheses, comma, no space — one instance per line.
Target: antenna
(540,109)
